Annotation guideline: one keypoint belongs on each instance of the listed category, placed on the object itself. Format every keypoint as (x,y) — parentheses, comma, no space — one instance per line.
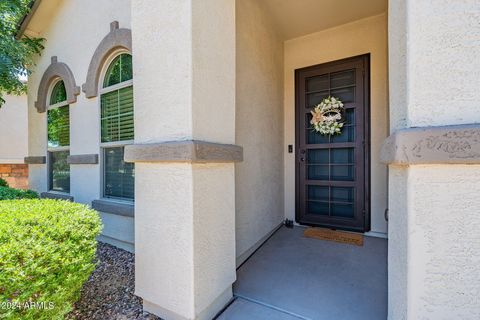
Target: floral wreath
(326,116)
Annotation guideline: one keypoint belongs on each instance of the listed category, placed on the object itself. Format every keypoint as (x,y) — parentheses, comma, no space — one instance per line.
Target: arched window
(58,124)
(117,127)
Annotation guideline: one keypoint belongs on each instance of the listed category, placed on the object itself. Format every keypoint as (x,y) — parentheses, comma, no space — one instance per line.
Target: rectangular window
(58,130)
(59,171)
(117,128)
(118,175)
(117,115)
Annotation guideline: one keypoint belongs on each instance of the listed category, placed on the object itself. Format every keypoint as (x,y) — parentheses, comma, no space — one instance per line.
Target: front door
(332,184)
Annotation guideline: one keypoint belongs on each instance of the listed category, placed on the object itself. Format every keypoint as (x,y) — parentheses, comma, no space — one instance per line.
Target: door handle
(302,157)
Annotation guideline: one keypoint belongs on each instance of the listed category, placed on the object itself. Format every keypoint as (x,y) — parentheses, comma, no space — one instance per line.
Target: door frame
(299,114)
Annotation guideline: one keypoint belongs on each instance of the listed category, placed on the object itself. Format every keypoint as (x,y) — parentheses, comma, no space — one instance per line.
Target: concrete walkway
(292,277)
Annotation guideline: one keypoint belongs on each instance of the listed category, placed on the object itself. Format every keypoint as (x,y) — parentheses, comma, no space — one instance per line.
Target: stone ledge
(114,207)
(184,151)
(456,144)
(56,196)
(83,159)
(35,160)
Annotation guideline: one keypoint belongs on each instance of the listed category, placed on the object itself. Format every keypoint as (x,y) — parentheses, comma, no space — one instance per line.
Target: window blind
(117,115)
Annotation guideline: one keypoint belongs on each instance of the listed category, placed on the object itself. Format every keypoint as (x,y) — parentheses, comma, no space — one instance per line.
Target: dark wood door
(332,172)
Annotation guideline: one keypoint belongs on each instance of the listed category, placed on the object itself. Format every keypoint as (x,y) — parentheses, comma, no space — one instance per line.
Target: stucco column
(434,159)
(184,154)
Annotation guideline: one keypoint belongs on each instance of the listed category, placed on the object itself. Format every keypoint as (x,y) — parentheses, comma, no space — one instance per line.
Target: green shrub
(11,194)
(47,251)
(3,183)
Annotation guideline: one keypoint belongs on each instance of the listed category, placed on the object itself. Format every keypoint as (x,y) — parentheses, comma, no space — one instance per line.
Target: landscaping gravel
(109,293)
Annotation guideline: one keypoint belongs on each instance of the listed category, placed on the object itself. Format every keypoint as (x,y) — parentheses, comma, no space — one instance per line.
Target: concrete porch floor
(293,277)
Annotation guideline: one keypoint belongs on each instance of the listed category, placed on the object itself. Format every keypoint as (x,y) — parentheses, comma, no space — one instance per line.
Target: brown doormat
(333,235)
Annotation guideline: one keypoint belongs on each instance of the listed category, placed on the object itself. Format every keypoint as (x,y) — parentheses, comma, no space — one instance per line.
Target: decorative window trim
(117,38)
(56,70)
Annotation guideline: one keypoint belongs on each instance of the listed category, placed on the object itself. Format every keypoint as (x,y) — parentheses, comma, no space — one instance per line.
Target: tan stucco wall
(434,245)
(184,88)
(259,125)
(360,37)
(444,249)
(445,43)
(13,129)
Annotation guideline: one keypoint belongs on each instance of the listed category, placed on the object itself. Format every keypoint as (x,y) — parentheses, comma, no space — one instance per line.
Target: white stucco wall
(259,126)
(13,129)
(72,34)
(118,231)
(73,30)
(359,37)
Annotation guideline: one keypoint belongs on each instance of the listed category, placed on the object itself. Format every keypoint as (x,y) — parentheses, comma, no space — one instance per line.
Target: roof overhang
(23,23)
(295,18)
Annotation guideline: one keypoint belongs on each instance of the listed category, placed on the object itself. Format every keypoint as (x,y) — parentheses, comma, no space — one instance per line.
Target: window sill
(121,208)
(56,195)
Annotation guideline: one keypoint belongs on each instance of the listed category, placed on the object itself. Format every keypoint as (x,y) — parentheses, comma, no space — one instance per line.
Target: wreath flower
(327,116)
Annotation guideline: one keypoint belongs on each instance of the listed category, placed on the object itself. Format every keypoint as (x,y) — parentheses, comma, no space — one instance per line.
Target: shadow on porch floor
(293,277)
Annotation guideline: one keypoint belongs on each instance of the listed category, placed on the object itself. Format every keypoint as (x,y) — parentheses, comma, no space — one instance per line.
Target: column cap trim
(184,151)
(35,160)
(455,144)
